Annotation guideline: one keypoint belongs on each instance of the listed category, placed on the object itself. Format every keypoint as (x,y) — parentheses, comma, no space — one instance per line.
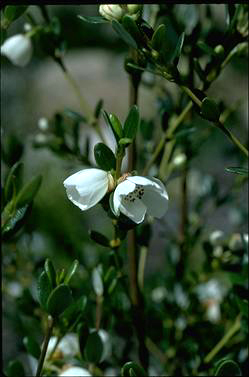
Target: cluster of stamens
(136,194)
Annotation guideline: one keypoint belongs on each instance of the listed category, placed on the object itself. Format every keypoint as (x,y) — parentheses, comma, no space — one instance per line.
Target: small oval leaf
(123,34)
(210,110)
(44,289)
(71,271)
(94,348)
(28,192)
(93,20)
(99,238)
(49,268)
(59,299)
(104,157)
(32,346)
(131,123)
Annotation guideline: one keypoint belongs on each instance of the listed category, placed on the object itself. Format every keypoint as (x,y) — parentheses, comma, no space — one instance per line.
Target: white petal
(18,49)
(144,181)
(134,210)
(75,371)
(156,201)
(121,190)
(87,187)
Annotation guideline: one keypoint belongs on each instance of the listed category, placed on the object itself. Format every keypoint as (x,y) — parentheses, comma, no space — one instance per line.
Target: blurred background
(59,230)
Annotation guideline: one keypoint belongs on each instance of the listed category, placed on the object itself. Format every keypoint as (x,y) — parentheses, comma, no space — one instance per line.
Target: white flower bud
(216,237)
(18,49)
(97,282)
(180,159)
(111,11)
(40,139)
(43,124)
(27,27)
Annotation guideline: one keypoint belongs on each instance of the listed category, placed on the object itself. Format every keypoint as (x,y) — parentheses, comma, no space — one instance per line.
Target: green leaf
(93,20)
(15,369)
(123,34)
(93,348)
(131,123)
(12,12)
(227,368)
(71,271)
(178,49)
(161,43)
(159,37)
(16,220)
(83,333)
(32,346)
(183,133)
(13,180)
(243,306)
(44,289)
(104,157)
(137,370)
(99,238)
(130,25)
(115,125)
(49,268)
(210,110)
(28,192)
(98,108)
(237,170)
(59,299)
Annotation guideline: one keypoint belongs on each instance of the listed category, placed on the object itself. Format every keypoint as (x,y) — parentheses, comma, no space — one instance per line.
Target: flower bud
(18,49)
(134,10)
(43,124)
(111,11)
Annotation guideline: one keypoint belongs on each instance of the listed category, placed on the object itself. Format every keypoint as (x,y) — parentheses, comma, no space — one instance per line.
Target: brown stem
(45,345)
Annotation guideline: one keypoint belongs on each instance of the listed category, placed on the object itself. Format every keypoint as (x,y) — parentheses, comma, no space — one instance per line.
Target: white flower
(216,237)
(67,347)
(97,281)
(111,11)
(87,187)
(75,371)
(18,49)
(137,195)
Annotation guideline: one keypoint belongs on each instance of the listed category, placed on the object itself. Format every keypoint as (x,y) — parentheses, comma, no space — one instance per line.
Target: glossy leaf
(98,108)
(93,19)
(125,141)
(104,157)
(123,34)
(32,346)
(44,289)
(93,348)
(83,333)
(116,127)
(12,12)
(205,48)
(228,368)
(28,192)
(49,268)
(14,221)
(178,49)
(77,117)
(130,25)
(71,271)
(131,123)
(59,299)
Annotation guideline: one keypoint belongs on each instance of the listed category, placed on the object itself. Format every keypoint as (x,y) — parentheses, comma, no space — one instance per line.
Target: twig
(45,345)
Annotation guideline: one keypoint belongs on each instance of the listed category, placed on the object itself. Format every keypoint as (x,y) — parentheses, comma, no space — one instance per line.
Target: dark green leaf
(104,157)
(13,222)
(71,271)
(131,26)
(13,180)
(43,289)
(98,108)
(137,369)
(210,110)
(161,42)
(59,299)
(237,170)
(49,268)
(32,346)
(93,20)
(99,238)
(93,348)
(227,368)
(28,192)
(123,34)
(15,369)
(83,333)
(131,123)
(158,37)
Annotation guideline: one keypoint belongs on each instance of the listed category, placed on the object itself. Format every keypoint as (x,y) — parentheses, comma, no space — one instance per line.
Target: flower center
(136,194)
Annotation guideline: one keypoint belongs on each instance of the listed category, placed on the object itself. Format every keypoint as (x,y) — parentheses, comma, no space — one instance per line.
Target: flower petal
(144,181)
(156,201)
(134,210)
(121,190)
(87,187)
